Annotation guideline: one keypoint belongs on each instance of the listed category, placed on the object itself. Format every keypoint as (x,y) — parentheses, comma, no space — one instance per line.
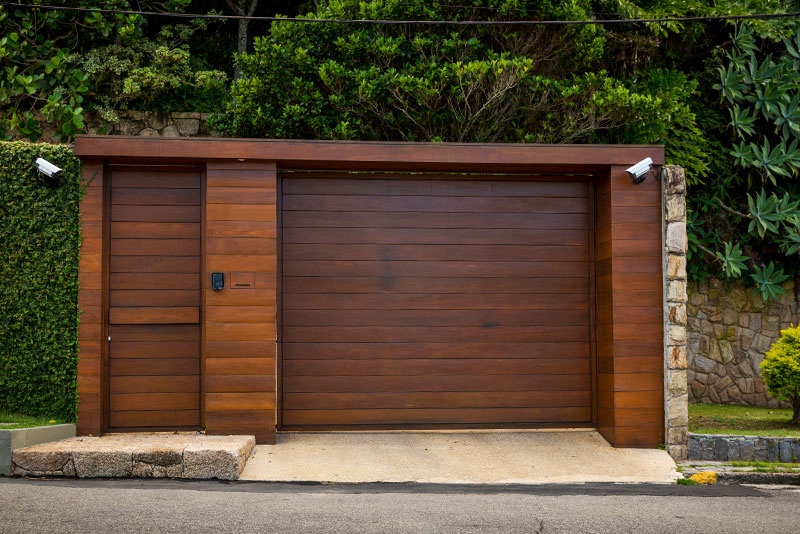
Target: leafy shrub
(40,236)
(479,84)
(745,222)
(781,370)
(58,65)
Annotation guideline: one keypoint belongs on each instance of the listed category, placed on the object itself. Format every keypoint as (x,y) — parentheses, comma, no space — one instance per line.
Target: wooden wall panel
(240,331)
(636,303)
(90,302)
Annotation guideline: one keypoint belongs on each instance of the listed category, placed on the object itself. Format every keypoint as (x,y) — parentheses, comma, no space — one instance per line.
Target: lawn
(24,421)
(726,419)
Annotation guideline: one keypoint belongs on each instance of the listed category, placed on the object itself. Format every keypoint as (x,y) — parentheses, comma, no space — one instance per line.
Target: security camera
(639,171)
(48,169)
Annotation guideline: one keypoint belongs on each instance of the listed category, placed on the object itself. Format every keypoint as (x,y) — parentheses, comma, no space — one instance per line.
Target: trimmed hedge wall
(40,237)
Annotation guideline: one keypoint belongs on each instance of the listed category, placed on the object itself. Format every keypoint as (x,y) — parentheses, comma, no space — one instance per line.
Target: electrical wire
(762,16)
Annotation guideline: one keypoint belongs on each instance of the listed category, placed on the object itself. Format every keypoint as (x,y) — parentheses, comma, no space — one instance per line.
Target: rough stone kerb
(676,393)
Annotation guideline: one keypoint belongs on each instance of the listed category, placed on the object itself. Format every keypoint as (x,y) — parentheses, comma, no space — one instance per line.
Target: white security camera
(48,169)
(639,171)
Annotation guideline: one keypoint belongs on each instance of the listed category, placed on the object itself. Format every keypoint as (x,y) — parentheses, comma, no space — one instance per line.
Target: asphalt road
(175,506)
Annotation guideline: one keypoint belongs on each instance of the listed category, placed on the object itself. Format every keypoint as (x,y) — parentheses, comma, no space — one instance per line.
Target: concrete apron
(477,457)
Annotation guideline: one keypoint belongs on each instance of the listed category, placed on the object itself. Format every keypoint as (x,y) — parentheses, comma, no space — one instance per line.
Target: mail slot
(242,280)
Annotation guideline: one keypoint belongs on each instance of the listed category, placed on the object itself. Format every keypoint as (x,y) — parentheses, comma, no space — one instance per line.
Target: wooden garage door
(154,299)
(425,301)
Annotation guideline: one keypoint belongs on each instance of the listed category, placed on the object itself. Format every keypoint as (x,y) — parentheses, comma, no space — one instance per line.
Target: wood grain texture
(625,417)
(90,299)
(240,368)
(154,298)
(434,301)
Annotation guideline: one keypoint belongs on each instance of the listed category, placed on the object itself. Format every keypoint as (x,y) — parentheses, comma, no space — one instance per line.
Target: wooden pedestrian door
(154,298)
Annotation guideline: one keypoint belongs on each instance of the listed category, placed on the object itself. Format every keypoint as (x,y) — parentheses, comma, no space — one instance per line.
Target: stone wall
(139,123)
(156,124)
(676,399)
(730,329)
(731,448)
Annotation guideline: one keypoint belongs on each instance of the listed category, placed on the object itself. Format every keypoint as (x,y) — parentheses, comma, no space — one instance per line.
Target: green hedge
(40,236)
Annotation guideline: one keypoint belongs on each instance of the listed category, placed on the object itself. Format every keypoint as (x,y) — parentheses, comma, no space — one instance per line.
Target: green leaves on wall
(40,237)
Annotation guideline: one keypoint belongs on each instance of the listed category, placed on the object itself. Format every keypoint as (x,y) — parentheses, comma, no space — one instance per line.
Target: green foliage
(40,237)
(467,85)
(751,205)
(59,65)
(781,369)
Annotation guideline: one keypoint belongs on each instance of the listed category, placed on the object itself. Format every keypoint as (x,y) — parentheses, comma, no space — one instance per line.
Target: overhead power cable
(762,16)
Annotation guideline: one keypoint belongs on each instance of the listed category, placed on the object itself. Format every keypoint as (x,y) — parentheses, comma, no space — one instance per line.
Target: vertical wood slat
(239,321)
(90,302)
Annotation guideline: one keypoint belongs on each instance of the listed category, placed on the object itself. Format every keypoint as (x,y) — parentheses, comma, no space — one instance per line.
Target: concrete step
(151,455)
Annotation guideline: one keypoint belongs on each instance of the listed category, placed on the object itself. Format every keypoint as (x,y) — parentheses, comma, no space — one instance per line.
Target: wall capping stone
(676,393)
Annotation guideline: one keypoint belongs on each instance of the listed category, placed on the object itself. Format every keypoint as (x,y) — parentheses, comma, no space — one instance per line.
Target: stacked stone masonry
(730,329)
(730,448)
(676,398)
(137,123)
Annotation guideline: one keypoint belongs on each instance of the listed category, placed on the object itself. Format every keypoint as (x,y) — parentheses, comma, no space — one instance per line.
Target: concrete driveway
(477,457)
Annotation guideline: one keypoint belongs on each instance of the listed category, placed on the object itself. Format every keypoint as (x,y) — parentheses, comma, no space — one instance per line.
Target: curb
(754,477)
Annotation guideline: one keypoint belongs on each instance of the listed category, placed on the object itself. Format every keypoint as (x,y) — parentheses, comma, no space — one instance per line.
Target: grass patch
(745,420)
(24,421)
(686,482)
(742,463)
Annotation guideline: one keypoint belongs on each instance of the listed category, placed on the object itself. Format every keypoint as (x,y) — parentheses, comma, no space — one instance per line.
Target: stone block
(225,461)
(156,120)
(676,237)
(729,317)
(747,449)
(146,470)
(677,435)
(773,451)
(103,463)
(677,335)
(187,127)
(720,449)
(675,208)
(761,343)
(723,383)
(678,452)
(744,319)
(678,407)
(704,364)
(38,463)
(677,313)
(158,456)
(676,268)
(755,322)
(695,448)
(676,290)
(673,179)
(148,132)
(733,450)
(170,130)
(676,382)
(786,451)
(677,357)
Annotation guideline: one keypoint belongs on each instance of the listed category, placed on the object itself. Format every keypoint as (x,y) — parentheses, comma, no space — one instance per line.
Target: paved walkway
(480,457)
